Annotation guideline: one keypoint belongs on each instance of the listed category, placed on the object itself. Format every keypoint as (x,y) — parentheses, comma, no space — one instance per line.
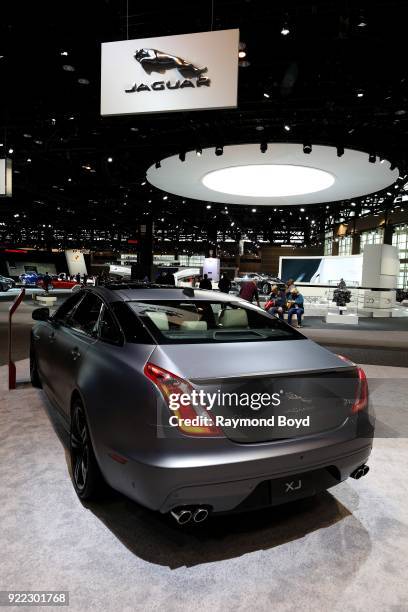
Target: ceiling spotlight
(165,197)
(263,147)
(362,23)
(182,156)
(340,151)
(372,157)
(285,29)
(199,151)
(254,210)
(143,183)
(208,206)
(11,151)
(219,150)
(157,164)
(110,160)
(286,127)
(29,160)
(68,68)
(266,95)
(64,53)
(360,94)
(307,148)
(353,203)
(302,210)
(241,54)
(82,81)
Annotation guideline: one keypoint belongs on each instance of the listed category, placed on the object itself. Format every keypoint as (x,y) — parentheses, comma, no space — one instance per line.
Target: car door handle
(75,353)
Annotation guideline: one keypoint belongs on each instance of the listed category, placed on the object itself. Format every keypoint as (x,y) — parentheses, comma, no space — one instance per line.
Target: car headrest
(236,317)
(159,319)
(197,325)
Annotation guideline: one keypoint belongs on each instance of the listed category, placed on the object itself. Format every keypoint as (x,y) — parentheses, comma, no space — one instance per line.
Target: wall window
(400,240)
(371,237)
(328,243)
(345,245)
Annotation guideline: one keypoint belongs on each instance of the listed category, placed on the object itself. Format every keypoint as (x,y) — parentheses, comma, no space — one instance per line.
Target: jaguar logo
(153,60)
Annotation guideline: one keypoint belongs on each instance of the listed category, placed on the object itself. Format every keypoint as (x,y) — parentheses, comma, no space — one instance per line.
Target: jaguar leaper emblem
(153,60)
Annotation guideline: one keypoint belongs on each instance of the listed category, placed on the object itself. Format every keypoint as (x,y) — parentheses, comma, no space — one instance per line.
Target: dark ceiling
(65,189)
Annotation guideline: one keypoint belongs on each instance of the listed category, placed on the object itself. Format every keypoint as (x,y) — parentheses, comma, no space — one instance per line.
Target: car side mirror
(41,314)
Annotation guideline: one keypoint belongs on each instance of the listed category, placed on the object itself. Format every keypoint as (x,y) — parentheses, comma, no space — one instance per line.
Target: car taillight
(168,384)
(361,400)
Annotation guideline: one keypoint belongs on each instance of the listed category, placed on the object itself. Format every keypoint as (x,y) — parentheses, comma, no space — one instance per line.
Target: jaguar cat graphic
(153,60)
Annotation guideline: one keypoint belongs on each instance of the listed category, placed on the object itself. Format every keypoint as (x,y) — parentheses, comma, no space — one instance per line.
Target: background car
(59,283)
(111,358)
(264,282)
(30,278)
(6,283)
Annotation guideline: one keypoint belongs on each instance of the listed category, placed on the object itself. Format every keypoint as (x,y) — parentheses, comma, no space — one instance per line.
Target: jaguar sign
(170,73)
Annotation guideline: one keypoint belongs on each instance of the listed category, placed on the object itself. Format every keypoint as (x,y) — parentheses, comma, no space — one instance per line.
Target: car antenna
(188,291)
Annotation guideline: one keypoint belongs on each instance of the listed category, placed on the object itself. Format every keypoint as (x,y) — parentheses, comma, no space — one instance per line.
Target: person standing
(78,278)
(249,291)
(297,307)
(205,282)
(224,284)
(46,281)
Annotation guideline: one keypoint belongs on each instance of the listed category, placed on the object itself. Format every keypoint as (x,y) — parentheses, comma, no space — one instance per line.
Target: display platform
(342,319)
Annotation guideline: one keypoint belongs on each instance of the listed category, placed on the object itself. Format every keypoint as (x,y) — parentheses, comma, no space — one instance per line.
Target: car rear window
(190,321)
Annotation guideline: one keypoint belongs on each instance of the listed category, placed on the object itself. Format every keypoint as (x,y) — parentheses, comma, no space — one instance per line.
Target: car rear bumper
(228,482)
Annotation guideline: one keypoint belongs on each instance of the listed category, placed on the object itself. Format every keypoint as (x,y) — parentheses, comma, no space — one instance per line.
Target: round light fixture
(268,180)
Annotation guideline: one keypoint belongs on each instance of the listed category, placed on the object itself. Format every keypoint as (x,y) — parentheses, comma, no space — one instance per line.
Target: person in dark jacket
(249,291)
(297,307)
(224,284)
(205,282)
(46,281)
(78,278)
(278,300)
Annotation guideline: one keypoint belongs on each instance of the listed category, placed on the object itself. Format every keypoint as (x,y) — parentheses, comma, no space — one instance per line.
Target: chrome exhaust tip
(360,472)
(200,515)
(181,516)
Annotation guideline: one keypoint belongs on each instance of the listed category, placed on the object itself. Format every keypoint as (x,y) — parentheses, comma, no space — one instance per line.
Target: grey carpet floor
(344,550)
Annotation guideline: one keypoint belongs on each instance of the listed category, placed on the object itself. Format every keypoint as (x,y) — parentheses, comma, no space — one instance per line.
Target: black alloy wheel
(87,478)
(266,288)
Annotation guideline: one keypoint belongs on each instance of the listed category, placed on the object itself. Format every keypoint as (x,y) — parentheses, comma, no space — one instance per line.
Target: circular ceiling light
(268,180)
(349,176)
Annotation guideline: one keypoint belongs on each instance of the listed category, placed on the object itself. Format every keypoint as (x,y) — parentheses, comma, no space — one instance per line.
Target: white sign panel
(170,73)
(75,261)
(212,268)
(6,175)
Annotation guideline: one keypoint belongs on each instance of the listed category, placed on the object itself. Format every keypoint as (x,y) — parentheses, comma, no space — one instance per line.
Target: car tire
(86,476)
(3,287)
(34,375)
(266,288)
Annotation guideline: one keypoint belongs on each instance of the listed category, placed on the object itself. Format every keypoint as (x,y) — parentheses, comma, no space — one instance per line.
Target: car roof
(134,292)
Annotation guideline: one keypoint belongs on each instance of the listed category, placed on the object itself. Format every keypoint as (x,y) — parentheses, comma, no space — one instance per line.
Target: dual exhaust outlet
(359,472)
(185,515)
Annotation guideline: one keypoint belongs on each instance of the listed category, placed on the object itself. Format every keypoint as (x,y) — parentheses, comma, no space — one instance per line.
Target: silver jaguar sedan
(194,402)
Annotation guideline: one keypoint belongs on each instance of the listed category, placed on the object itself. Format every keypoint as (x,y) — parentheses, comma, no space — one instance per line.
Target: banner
(170,73)
(6,175)
(75,261)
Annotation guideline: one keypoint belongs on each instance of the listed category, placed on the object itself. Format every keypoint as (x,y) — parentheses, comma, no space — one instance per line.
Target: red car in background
(59,283)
